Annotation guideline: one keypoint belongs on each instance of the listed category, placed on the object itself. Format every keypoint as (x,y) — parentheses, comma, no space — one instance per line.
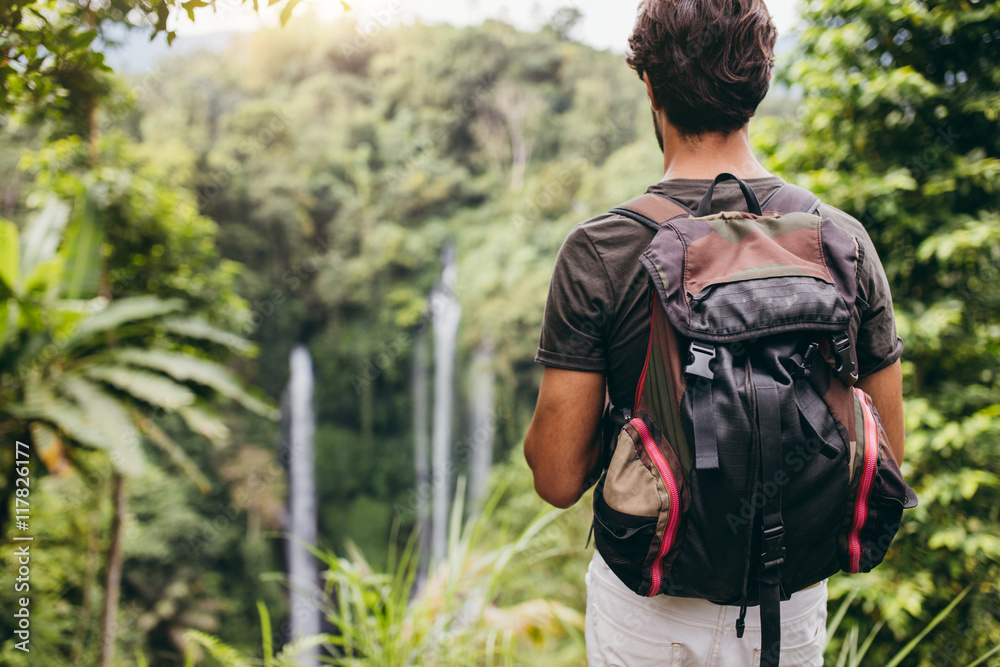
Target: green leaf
(905,651)
(82,40)
(265,632)
(984,657)
(41,404)
(83,249)
(4,321)
(131,309)
(201,371)
(144,386)
(8,254)
(42,234)
(198,328)
(205,424)
(121,437)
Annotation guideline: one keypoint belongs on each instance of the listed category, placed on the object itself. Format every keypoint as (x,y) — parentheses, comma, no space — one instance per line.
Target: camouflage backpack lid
(749,466)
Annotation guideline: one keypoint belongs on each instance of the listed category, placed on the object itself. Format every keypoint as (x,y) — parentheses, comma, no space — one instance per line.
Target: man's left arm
(886,389)
(563,444)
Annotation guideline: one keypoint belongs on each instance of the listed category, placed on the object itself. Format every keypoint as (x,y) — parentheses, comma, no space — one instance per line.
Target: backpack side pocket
(881,494)
(638,508)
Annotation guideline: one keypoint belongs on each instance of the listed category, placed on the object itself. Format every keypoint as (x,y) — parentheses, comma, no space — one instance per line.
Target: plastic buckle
(701,357)
(841,351)
(800,369)
(774,547)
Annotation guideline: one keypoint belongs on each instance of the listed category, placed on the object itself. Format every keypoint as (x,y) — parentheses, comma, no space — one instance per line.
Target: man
(706,66)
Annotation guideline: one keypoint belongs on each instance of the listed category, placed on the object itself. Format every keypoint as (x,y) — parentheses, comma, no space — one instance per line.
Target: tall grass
(391,620)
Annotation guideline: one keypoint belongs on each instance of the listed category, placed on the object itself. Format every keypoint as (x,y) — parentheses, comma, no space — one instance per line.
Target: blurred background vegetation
(168,236)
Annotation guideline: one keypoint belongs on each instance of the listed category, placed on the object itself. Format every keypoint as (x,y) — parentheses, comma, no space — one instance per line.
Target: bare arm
(886,389)
(562,446)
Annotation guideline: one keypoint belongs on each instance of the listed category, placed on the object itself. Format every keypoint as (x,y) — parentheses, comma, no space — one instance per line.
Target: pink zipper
(675,506)
(871,458)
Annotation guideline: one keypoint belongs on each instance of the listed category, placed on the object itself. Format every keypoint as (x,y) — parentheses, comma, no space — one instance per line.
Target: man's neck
(709,155)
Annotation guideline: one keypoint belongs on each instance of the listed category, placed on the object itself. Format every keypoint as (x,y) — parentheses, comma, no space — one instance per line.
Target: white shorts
(627,630)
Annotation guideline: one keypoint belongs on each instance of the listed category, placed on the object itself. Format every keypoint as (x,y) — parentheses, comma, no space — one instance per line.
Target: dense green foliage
(299,186)
(336,176)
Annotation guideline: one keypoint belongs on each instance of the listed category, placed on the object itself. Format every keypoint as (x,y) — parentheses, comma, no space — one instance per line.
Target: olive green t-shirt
(597,311)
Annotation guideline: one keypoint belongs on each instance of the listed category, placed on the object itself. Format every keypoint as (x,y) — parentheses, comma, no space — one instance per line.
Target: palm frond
(197,328)
(40,404)
(122,311)
(206,424)
(121,437)
(151,388)
(42,235)
(200,371)
(82,248)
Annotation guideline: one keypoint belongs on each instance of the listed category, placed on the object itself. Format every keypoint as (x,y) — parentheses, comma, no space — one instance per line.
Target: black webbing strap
(700,377)
(706,446)
(705,206)
(773,542)
(792,199)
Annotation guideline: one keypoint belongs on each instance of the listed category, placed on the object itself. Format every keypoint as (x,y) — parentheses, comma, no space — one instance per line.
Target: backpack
(749,466)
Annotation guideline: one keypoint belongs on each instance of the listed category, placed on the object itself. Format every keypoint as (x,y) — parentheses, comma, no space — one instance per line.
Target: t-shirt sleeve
(878,344)
(578,308)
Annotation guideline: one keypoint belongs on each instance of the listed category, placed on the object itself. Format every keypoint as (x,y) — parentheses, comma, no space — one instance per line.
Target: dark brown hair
(709,61)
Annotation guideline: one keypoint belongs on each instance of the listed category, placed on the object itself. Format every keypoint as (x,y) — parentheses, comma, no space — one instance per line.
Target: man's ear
(649,92)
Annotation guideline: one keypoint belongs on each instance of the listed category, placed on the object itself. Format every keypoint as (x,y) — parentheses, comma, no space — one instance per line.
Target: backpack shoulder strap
(653,210)
(792,199)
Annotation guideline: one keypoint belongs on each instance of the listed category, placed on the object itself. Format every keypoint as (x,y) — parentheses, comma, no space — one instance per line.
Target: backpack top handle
(705,207)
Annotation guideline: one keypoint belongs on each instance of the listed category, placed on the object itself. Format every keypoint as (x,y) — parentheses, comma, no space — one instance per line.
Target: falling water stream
(446,316)
(302,569)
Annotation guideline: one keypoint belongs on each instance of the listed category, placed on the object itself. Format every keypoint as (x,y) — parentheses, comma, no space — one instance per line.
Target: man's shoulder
(844,220)
(611,234)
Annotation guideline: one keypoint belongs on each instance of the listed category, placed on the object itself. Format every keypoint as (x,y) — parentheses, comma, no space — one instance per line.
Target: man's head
(708,62)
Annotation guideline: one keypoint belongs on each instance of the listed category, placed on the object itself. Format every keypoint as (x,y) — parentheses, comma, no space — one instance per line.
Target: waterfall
(446,313)
(482,423)
(303,573)
(421,446)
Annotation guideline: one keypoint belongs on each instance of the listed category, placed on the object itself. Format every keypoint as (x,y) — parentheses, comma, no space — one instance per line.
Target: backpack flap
(736,276)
